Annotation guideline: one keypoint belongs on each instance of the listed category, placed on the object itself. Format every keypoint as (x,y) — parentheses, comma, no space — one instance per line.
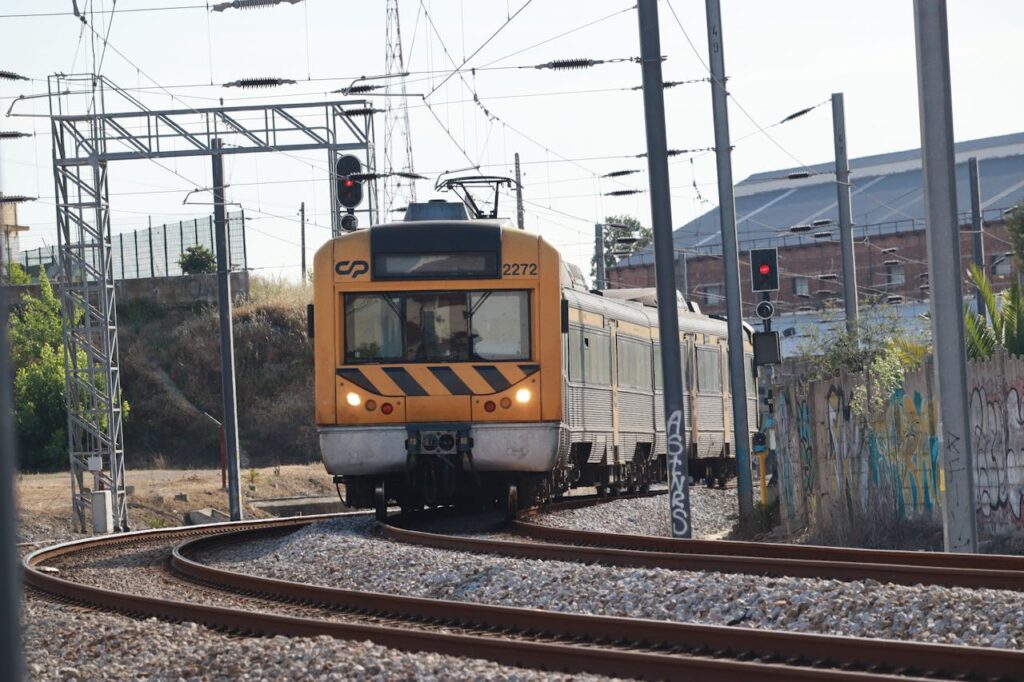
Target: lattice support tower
(83,146)
(398,191)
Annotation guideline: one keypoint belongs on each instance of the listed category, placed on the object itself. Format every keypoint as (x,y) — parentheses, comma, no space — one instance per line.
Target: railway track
(514,636)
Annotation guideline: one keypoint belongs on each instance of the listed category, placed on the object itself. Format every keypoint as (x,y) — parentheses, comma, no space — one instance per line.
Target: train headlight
(523,395)
(353,399)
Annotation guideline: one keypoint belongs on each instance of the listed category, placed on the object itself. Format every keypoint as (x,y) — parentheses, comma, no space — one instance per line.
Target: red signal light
(764,269)
(348,182)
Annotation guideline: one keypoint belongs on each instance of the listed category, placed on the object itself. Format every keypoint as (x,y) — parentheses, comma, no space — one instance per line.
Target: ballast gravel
(66,643)
(713,512)
(348,553)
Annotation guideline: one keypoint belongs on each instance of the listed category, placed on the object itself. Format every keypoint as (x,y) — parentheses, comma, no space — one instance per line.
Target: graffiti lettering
(680,501)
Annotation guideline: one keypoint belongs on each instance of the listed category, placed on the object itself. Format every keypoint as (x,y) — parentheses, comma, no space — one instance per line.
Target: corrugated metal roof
(887,197)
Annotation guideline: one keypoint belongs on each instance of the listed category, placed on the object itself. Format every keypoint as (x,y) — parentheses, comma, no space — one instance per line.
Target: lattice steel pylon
(398,191)
(88,314)
(83,145)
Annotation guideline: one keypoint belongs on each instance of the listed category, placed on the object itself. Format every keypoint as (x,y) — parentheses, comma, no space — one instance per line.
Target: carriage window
(575,354)
(634,364)
(748,363)
(500,324)
(437,326)
(597,359)
(709,370)
(373,328)
(658,374)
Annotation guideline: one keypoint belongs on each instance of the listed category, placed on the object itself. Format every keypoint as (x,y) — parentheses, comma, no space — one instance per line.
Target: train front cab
(437,359)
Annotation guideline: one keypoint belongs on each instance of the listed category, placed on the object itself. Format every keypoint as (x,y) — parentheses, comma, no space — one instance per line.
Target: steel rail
(813,650)
(771,550)
(577,658)
(883,568)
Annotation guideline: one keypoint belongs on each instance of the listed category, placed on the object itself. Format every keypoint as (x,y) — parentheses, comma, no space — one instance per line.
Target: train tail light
(506,403)
(371,405)
(489,406)
(387,408)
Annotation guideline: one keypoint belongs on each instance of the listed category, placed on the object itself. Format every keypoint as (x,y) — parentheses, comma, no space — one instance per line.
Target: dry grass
(847,523)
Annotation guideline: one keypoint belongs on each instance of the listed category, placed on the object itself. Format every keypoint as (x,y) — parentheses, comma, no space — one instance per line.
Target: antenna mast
(398,191)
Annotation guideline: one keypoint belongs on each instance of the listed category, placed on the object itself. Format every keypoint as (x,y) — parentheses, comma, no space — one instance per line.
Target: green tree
(633,230)
(197,260)
(1002,325)
(1014,223)
(17,276)
(40,413)
(36,325)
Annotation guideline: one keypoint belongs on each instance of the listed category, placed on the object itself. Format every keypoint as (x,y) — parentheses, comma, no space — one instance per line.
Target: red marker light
(386,408)
(765,269)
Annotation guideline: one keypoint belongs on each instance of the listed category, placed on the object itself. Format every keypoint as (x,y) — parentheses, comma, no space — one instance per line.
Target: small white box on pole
(102,512)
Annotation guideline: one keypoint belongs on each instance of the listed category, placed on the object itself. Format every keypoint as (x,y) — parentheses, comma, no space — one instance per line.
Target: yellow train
(462,360)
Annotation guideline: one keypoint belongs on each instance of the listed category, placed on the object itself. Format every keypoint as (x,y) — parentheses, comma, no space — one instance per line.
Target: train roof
(638,313)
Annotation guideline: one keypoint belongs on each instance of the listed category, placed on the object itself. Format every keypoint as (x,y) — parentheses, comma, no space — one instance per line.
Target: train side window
(748,364)
(597,359)
(658,378)
(709,370)
(575,354)
(634,364)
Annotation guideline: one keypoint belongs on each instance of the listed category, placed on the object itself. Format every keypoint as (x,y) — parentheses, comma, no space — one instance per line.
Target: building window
(895,275)
(1001,265)
(714,294)
(802,286)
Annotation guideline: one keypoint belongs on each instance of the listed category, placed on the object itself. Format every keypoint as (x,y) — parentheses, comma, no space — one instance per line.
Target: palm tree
(1002,325)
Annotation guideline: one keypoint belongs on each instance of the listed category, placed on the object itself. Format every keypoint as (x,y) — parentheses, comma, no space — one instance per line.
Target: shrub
(197,260)
(36,325)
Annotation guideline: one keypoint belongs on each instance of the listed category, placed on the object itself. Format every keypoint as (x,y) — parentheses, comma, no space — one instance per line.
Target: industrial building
(794,209)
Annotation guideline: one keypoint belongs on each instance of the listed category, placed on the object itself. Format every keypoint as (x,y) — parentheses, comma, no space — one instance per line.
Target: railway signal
(764,269)
(350,190)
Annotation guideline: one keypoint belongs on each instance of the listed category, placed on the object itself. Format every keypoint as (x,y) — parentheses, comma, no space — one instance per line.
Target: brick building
(799,217)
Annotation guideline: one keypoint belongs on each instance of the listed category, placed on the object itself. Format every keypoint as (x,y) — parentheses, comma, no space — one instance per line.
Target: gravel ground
(713,511)
(67,643)
(346,553)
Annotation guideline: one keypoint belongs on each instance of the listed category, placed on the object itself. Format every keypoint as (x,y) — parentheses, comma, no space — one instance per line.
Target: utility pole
(302,227)
(664,267)
(227,343)
(599,281)
(938,162)
(730,260)
(520,214)
(977,227)
(845,212)
(10,583)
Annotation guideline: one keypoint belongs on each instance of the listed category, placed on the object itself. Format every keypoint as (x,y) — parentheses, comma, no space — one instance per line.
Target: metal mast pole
(302,228)
(938,163)
(227,344)
(845,212)
(664,267)
(10,583)
(977,227)
(599,282)
(730,260)
(520,214)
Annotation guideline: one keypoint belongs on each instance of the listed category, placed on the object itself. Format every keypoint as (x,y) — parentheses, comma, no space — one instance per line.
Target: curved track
(514,636)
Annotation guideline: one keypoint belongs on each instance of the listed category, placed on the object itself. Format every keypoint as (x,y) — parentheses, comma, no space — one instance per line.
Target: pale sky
(780,56)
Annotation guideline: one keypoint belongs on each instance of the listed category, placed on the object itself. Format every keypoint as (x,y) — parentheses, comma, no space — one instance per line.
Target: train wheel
(511,502)
(380,503)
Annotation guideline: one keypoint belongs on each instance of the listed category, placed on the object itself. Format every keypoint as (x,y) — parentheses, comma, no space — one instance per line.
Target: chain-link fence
(153,251)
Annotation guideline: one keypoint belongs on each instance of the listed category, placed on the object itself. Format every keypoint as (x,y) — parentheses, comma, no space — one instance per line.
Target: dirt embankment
(170,374)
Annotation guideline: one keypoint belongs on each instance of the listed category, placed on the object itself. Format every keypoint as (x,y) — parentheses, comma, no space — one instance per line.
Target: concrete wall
(185,290)
(831,461)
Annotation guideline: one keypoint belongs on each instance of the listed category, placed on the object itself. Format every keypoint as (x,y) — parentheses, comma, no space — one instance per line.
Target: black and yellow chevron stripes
(426,380)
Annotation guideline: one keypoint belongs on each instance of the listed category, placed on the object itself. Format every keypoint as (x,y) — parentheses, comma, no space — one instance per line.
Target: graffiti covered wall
(829,459)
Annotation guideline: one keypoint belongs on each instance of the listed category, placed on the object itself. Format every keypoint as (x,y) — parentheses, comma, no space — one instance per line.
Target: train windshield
(447,326)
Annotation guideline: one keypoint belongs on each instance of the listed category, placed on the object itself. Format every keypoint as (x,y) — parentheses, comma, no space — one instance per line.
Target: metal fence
(154,251)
